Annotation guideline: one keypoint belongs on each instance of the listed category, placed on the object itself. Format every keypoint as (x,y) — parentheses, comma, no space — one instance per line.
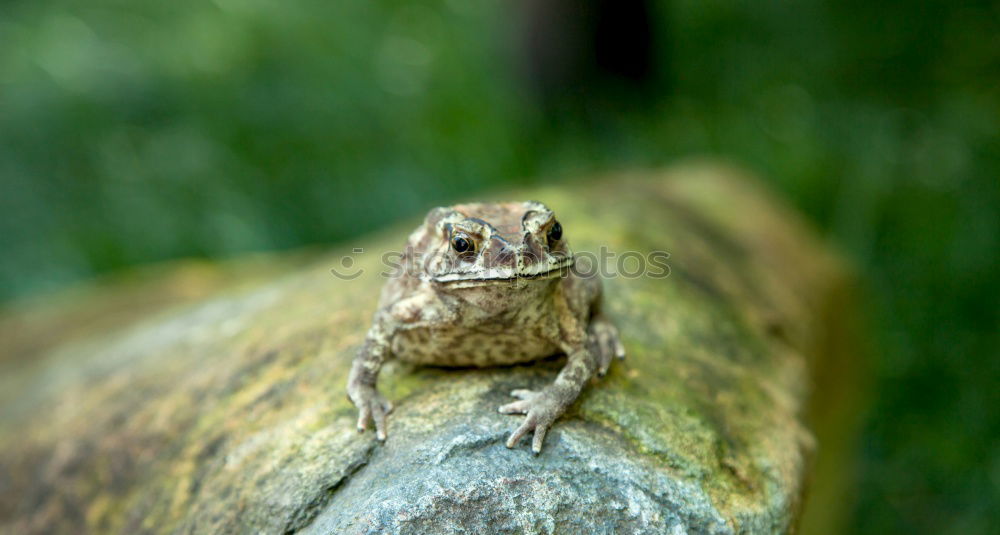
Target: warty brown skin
(488,284)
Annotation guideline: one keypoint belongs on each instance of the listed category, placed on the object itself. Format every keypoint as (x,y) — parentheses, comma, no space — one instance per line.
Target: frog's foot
(542,408)
(371,406)
(603,339)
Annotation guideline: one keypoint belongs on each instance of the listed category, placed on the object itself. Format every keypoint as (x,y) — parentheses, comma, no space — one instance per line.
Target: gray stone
(210,398)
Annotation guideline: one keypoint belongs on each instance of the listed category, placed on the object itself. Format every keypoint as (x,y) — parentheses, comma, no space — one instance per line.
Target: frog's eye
(555,232)
(462,244)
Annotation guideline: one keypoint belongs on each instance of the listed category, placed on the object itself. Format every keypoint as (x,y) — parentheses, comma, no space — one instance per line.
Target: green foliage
(136,131)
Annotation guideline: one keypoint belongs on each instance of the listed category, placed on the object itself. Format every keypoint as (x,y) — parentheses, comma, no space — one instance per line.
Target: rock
(224,410)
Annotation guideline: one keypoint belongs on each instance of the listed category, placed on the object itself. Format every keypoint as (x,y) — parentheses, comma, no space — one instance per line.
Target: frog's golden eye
(462,244)
(555,232)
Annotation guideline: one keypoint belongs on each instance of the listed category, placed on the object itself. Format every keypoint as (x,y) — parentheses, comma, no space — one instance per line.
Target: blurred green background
(140,130)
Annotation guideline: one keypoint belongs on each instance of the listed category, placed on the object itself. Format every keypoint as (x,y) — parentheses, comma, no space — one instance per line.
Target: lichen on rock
(227,413)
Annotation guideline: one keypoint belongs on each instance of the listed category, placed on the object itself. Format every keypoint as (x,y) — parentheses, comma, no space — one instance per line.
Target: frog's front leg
(361,389)
(422,307)
(543,407)
(605,342)
(602,335)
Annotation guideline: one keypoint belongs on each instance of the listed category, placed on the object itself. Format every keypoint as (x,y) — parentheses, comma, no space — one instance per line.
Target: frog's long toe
(540,408)
(373,407)
(519,407)
(530,423)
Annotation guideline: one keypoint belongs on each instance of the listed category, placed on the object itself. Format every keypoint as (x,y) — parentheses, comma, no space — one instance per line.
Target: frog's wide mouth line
(463,279)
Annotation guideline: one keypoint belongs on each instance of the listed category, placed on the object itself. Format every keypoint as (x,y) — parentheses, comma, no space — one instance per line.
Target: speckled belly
(462,347)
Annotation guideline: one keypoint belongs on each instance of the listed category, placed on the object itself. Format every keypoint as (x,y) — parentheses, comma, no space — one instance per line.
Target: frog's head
(515,245)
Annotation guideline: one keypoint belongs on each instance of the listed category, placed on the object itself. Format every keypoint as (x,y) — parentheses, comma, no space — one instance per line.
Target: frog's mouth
(539,271)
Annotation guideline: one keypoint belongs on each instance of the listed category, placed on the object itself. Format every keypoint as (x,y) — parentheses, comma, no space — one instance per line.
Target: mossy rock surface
(210,398)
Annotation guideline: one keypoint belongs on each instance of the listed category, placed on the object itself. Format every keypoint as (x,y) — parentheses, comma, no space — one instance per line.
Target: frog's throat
(539,272)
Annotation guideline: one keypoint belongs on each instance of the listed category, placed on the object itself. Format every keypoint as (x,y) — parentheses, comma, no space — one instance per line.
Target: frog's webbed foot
(603,340)
(371,406)
(542,408)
